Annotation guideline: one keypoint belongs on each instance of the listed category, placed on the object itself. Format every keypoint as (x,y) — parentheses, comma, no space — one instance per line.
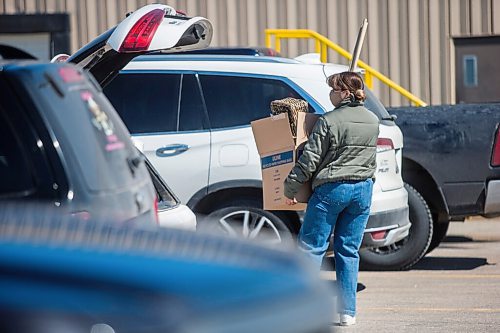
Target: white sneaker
(346,320)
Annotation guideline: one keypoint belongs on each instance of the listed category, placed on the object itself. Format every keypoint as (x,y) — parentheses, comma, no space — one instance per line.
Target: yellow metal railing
(320,46)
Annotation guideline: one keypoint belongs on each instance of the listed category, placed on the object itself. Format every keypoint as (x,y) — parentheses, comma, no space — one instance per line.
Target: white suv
(191,116)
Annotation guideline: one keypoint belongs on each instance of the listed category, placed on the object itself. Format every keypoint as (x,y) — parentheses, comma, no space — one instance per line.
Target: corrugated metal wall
(408,40)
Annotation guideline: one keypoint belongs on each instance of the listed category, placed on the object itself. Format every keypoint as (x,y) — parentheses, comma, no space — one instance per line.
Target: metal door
(477,69)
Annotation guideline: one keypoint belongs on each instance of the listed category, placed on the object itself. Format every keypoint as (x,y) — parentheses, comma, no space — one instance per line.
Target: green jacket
(342,146)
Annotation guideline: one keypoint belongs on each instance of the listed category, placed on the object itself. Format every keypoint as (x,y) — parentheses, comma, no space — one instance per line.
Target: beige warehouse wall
(408,40)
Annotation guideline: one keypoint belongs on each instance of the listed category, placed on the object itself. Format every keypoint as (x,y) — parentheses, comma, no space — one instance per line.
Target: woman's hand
(291,202)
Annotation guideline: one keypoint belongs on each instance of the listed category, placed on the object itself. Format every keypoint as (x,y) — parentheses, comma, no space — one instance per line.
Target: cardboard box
(278,153)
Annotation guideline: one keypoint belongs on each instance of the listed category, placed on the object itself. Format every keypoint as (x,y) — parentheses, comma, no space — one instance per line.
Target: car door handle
(171,150)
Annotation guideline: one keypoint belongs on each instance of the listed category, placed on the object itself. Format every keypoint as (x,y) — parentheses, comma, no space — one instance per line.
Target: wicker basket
(291,106)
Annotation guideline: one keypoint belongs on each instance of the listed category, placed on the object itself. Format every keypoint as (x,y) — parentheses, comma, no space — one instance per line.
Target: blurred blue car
(58,274)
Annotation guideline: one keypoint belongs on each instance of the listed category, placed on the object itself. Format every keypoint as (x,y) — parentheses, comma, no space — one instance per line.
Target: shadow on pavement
(457,239)
(463,239)
(329,265)
(432,263)
(359,286)
(449,263)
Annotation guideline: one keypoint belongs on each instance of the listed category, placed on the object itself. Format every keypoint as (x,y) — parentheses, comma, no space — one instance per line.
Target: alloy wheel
(250,225)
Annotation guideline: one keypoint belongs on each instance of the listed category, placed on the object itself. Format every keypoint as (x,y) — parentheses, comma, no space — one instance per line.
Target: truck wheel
(242,218)
(438,234)
(408,251)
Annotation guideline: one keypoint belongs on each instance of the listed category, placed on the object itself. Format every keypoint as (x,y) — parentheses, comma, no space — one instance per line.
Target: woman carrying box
(339,159)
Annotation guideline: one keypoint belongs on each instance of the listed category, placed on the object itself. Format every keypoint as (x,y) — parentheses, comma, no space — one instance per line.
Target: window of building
(470,71)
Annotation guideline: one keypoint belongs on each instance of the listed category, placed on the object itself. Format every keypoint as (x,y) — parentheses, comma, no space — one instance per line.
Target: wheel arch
(211,197)
(419,178)
(405,253)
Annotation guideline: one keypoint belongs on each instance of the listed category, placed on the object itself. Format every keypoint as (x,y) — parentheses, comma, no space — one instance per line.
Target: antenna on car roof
(358,45)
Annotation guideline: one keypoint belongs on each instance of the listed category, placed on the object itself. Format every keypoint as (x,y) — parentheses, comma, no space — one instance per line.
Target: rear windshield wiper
(391,117)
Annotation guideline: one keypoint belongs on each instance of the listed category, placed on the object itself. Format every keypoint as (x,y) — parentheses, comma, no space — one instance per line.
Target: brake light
(143,31)
(155,207)
(69,75)
(384,144)
(81,215)
(495,156)
(378,235)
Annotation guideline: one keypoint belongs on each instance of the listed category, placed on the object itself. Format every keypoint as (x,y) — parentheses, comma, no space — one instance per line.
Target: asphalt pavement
(455,288)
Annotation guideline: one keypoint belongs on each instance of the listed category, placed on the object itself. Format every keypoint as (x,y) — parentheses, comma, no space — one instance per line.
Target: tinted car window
(14,169)
(146,102)
(235,101)
(103,150)
(373,104)
(26,147)
(192,112)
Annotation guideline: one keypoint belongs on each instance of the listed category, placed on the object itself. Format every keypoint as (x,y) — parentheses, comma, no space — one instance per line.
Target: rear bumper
(180,217)
(386,228)
(389,220)
(492,203)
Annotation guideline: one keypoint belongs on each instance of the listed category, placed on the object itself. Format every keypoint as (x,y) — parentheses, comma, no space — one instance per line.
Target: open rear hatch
(150,28)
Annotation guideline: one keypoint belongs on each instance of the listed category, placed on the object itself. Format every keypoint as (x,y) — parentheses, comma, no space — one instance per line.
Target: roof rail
(213,57)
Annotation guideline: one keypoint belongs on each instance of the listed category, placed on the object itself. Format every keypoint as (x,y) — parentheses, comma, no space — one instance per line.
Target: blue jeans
(342,208)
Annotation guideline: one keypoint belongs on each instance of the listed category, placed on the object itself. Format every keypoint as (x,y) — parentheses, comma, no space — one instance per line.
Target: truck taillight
(495,155)
(143,31)
(384,144)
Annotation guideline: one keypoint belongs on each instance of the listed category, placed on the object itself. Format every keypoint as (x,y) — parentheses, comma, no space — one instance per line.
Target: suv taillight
(495,155)
(143,31)
(384,144)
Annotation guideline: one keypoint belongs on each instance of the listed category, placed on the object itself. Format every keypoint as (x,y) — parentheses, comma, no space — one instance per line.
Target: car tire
(261,226)
(405,253)
(438,234)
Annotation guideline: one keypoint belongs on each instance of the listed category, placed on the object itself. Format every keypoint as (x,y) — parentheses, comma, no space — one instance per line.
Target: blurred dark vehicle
(58,274)
(63,143)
